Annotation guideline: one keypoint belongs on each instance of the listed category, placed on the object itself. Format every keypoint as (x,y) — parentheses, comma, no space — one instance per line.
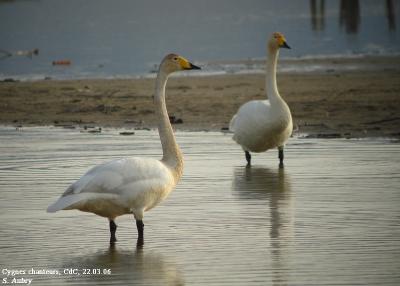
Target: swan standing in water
(132,185)
(260,125)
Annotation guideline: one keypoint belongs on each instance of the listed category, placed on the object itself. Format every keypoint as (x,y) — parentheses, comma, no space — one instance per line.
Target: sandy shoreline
(328,104)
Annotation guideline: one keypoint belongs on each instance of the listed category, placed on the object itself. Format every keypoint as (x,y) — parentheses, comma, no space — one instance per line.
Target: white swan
(260,125)
(132,185)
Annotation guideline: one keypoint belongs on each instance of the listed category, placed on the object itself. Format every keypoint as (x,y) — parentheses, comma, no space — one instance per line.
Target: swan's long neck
(271,87)
(172,155)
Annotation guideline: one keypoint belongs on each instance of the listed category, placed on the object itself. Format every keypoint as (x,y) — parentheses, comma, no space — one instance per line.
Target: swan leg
(140,228)
(113,229)
(280,148)
(248,157)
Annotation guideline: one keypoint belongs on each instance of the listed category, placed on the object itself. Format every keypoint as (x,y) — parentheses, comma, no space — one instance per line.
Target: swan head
(172,63)
(277,41)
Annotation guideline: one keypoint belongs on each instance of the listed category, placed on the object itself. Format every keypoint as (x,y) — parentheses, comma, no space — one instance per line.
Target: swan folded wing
(232,123)
(113,180)
(258,127)
(253,112)
(250,123)
(67,201)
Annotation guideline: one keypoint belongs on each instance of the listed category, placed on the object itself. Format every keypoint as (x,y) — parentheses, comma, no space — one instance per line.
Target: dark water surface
(331,217)
(126,38)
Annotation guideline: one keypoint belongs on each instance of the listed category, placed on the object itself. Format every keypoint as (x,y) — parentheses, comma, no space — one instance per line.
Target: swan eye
(175,59)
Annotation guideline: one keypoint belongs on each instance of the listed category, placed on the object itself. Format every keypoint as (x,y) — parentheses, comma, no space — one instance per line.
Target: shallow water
(331,217)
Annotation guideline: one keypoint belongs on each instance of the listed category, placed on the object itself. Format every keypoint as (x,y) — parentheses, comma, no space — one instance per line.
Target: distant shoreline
(287,65)
(331,104)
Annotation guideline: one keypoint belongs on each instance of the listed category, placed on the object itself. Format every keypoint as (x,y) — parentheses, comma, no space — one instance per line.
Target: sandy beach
(361,103)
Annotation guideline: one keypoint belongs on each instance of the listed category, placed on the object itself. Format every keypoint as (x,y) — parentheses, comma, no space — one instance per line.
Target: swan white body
(129,185)
(260,125)
(132,185)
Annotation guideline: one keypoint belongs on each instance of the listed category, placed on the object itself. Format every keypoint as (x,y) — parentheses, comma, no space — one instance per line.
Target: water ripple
(331,217)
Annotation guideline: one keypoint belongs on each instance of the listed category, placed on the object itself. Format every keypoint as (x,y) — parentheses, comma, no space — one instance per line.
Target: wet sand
(364,103)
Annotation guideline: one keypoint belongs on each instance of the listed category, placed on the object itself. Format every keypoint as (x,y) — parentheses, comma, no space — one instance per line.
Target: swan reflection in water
(127,267)
(272,187)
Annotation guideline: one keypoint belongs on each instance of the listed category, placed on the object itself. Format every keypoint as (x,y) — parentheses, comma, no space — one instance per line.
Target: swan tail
(65,202)
(232,123)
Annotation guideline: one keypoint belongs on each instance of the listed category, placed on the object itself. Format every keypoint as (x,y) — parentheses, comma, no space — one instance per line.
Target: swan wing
(232,123)
(126,178)
(258,127)
(249,120)
(250,112)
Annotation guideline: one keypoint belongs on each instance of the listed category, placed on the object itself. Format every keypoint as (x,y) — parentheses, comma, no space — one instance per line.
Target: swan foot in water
(140,228)
(280,156)
(248,157)
(113,229)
